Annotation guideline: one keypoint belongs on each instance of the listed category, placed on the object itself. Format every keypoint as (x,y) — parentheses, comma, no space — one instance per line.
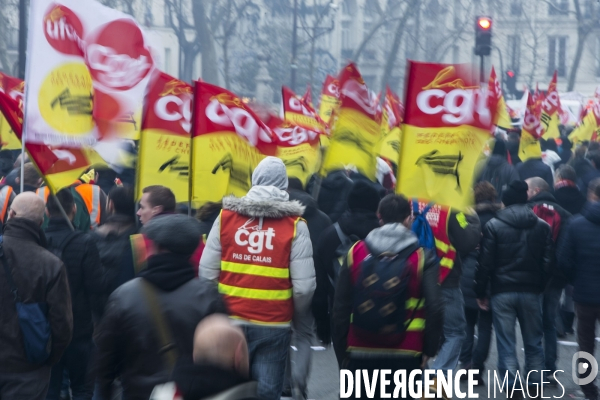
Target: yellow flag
(529,146)
(502,119)
(391,121)
(550,105)
(329,98)
(588,127)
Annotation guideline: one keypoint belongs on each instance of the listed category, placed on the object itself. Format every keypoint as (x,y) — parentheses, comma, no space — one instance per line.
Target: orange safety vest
(255,267)
(90,195)
(5,196)
(438,217)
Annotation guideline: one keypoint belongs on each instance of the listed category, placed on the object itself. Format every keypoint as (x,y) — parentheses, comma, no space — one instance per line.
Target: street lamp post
(293,65)
(22,36)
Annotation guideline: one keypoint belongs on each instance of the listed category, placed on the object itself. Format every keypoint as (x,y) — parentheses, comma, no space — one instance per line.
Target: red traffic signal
(510,74)
(484,23)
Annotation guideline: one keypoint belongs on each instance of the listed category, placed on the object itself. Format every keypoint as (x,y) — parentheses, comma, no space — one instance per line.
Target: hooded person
(498,171)
(158,309)
(333,193)
(260,254)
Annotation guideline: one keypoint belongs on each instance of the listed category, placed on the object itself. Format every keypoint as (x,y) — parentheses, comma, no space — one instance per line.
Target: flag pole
(63,212)
(22,183)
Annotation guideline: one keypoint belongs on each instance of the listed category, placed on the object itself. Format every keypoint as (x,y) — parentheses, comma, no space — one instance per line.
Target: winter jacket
(516,253)
(127,341)
(114,246)
(464,234)
(40,277)
(333,194)
(556,278)
(268,201)
(587,177)
(579,255)
(485,212)
(570,198)
(85,274)
(316,220)
(499,173)
(535,167)
(392,239)
(357,224)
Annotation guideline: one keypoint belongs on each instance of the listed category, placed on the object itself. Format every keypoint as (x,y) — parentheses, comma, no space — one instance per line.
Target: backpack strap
(168,349)
(65,242)
(345,239)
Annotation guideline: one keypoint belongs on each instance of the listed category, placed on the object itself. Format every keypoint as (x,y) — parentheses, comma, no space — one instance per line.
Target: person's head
(173,233)
(393,209)
(295,184)
(17,163)
(536,185)
(565,173)
(594,157)
(218,343)
(155,200)
(28,205)
(363,196)
(63,198)
(121,201)
(31,177)
(499,148)
(593,194)
(515,193)
(270,172)
(484,192)
(208,210)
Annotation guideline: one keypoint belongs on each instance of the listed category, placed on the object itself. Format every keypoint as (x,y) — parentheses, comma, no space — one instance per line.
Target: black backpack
(57,244)
(380,295)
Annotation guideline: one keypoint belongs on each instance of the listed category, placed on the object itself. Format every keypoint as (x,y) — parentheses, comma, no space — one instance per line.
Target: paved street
(324,379)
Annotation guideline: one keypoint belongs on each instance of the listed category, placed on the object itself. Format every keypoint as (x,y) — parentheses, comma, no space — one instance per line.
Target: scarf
(564,183)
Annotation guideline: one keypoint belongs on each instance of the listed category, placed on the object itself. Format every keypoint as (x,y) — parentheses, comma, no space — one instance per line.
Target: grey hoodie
(390,238)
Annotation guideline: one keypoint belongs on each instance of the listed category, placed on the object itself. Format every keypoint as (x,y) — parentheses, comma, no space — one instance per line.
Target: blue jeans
(268,349)
(549,315)
(473,355)
(507,308)
(76,361)
(454,330)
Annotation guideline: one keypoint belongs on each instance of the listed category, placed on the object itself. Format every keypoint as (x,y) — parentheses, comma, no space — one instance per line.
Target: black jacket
(316,220)
(570,198)
(127,341)
(535,167)
(333,194)
(464,234)
(516,252)
(499,173)
(485,212)
(40,277)
(579,255)
(86,277)
(356,223)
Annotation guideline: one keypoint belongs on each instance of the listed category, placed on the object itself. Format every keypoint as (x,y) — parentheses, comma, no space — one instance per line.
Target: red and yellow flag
(356,132)
(447,124)
(330,96)
(391,122)
(14,88)
(164,154)
(532,131)
(502,119)
(589,127)
(228,142)
(550,104)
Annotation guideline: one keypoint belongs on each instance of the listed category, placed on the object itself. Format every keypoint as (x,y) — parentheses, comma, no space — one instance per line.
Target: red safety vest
(412,344)
(255,267)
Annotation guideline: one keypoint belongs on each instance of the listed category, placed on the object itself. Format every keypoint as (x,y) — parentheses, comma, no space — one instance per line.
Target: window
(557,55)
(514,52)
(346,35)
(558,7)
(168,61)
(167,15)
(346,55)
(516,8)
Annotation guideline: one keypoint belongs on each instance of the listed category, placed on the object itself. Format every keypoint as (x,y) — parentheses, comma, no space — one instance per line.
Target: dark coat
(535,167)
(570,198)
(127,339)
(499,173)
(85,273)
(333,194)
(516,253)
(40,277)
(316,220)
(579,255)
(464,234)
(485,212)
(356,223)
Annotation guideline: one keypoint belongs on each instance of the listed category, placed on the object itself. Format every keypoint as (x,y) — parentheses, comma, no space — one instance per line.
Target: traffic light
(510,79)
(483,36)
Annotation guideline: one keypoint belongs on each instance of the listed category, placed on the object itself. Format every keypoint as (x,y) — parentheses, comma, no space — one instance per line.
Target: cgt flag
(391,123)
(15,89)
(497,103)
(356,132)
(164,154)
(447,124)
(589,126)
(87,73)
(532,131)
(551,111)
(330,96)
(228,142)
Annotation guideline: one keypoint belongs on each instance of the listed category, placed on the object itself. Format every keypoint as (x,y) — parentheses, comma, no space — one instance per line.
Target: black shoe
(286,393)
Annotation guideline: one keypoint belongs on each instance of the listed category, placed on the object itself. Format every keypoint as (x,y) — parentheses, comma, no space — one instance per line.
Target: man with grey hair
(259,251)
(39,277)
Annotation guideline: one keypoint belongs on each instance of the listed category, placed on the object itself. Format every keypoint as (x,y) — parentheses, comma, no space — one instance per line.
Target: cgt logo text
(419,384)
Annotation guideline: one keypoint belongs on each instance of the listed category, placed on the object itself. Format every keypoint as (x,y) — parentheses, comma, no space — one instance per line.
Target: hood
(487,207)
(390,239)
(543,196)
(305,199)
(336,180)
(591,212)
(270,172)
(518,216)
(264,201)
(358,223)
(496,161)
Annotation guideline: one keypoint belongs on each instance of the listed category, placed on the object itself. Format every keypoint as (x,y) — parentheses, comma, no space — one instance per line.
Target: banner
(164,153)
(447,123)
(502,119)
(15,89)
(532,131)
(356,132)
(88,68)
(550,111)
(228,142)
(60,167)
(391,122)
(329,99)
(588,127)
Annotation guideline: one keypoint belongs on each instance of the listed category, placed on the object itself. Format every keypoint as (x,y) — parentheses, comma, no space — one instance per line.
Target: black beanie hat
(363,196)
(176,233)
(515,193)
(499,148)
